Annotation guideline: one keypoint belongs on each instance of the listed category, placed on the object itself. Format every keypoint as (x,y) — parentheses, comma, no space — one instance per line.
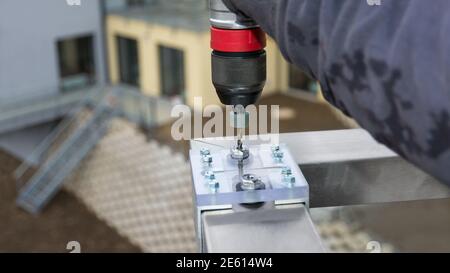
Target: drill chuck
(238,64)
(238,57)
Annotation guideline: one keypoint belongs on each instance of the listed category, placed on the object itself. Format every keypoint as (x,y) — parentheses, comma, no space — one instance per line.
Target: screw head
(278,155)
(204,151)
(249,181)
(275,147)
(248,177)
(213,186)
(207,159)
(286,171)
(209,175)
(239,154)
(289,179)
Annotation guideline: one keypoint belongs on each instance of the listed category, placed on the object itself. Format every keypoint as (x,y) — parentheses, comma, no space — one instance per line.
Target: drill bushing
(238,65)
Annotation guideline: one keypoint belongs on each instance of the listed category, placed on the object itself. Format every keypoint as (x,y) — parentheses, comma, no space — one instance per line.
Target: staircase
(71,142)
(49,177)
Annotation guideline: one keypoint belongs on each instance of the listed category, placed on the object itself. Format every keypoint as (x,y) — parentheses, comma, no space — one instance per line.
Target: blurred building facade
(51,52)
(163,48)
(160,46)
(49,46)
(54,51)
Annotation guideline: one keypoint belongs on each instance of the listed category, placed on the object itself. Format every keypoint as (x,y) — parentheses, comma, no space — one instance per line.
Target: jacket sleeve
(387,66)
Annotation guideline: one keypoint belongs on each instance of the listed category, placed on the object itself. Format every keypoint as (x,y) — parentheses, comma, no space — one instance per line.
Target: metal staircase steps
(49,178)
(65,148)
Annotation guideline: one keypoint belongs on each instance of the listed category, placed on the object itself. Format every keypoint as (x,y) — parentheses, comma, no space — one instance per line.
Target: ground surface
(65,219)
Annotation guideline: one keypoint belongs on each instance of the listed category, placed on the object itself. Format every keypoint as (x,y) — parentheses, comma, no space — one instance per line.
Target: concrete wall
(197,55)
(28,34)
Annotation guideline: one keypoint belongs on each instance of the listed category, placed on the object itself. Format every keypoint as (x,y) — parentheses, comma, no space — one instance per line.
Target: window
(299,81)
(76,62)
(128,60)
(172,72)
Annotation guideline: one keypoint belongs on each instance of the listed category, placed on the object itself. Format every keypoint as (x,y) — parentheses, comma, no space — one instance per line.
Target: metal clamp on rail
(272,194)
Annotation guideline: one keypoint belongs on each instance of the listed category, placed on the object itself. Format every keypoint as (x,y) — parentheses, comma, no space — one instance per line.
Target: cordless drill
(238,68)
(238,57)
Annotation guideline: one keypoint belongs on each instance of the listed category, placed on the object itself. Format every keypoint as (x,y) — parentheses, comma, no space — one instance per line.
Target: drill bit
(240,168)
(241,122)
(240,135)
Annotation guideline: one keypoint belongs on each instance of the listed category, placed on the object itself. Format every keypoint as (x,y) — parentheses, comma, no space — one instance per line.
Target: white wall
(29,30)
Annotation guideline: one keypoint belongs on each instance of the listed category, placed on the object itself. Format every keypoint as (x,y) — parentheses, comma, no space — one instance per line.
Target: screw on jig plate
(277,153)
(204,151)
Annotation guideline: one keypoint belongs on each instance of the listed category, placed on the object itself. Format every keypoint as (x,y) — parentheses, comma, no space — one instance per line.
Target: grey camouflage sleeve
(386,66)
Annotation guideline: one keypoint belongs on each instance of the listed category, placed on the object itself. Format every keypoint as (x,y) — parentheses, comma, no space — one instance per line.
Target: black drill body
(238,66)
(239,78)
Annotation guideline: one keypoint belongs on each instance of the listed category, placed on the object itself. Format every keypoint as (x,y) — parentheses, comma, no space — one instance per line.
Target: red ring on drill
(241,40)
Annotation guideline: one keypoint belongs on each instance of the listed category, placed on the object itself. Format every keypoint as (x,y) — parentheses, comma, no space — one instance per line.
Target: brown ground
(65,219)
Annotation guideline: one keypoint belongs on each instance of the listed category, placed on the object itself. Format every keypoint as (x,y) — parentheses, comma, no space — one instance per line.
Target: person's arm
(386,66)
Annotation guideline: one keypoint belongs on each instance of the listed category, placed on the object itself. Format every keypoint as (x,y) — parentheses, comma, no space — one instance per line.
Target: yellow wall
(197,57)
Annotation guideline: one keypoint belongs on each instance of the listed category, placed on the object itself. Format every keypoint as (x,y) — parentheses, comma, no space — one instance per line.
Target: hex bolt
(213,185)
(275,147)
(285,171)
(278,155)
(207,160)
(204,151)
(209,175)
(289,179)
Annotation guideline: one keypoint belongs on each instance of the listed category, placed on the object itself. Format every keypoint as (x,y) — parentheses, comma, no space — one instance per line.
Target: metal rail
(18,113)
(286,228)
